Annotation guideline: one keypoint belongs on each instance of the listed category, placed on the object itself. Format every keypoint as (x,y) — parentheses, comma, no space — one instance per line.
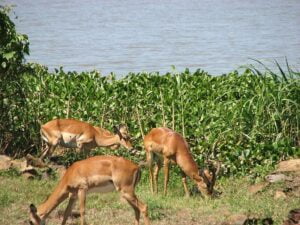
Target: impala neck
(186,162)
(190,168)
(59,194)
(106,139)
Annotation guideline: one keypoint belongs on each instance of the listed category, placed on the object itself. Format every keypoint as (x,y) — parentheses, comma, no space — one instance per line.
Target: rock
(19,164)
(45,175)
(5,165)
(288,222)
(293,217)
(267,221)
(289,166)
(279,195)
(5,162)
(238,219)
(4,158)
(246,220)
(28,169)
(28,176)
(253,189)
(273,178)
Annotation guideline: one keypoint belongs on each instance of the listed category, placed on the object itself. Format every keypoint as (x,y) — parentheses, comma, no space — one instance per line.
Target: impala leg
(84,146)
(68,210)
(157,168)
(48,151)
(86,151)
(138,207)
(45,152)
(166,174)
(150,163)
(82,198)
(186,190)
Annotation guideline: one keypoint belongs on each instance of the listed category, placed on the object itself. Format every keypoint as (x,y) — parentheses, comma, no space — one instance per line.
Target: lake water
(152,35)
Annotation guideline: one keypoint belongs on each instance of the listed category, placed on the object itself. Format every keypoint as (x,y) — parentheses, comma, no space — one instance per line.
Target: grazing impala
(100,174)
(173,147)
(72,133)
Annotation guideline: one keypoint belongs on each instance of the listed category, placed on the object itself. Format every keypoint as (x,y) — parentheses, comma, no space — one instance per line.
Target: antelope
(99,173)
(172,147)
(72,133)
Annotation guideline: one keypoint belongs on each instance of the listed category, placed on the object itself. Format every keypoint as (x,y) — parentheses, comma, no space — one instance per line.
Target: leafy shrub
(13,46)
(244,120)
(13,117)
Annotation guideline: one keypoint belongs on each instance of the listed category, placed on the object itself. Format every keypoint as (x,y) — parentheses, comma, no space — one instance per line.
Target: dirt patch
(292,165)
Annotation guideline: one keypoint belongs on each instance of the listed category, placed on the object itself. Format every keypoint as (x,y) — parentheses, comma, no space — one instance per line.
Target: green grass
(16,194)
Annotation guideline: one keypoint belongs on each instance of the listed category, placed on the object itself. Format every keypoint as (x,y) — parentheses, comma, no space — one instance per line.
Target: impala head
(34,218)
(209,177)
(122,132)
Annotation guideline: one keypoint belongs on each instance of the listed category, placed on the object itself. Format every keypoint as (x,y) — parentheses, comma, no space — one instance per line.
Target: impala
(100,174)
(72,133)
(172,147)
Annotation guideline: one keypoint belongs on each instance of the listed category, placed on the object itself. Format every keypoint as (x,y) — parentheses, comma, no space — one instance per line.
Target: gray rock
(5,162)
(273,178)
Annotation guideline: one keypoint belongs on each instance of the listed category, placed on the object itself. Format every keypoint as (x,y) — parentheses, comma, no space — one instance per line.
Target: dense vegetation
(249,121)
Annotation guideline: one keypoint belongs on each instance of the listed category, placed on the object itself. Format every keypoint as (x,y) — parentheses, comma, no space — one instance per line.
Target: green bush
(245,120)
(13,46)
(13,118)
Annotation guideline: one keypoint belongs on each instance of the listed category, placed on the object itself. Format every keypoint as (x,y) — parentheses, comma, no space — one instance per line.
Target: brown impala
(72,133)
(173,147)
(100,174)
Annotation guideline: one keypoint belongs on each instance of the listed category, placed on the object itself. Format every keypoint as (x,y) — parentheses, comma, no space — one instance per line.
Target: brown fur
(74,133)
(105,172)
(173,147)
